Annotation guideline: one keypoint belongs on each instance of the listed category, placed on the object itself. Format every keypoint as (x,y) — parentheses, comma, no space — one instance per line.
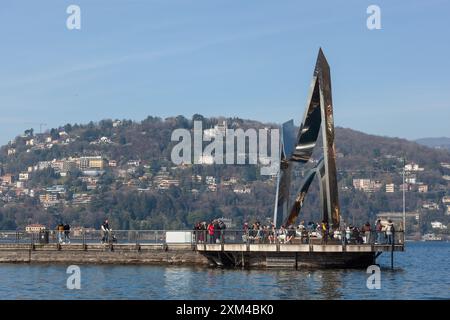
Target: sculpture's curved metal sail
(318,114)
(287,144)
(298,203)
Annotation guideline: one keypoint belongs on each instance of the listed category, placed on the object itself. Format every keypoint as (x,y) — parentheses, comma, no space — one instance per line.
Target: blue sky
(251,59)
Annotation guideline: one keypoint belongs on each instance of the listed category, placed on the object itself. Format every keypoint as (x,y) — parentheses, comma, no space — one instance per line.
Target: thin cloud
(144,56)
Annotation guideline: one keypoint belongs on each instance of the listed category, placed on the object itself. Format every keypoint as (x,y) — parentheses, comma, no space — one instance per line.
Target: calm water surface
(422,272)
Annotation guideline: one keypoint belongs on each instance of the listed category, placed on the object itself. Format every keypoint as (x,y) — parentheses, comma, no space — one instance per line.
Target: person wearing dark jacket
(366,229)
(379,230)
(105,231)
(66,233)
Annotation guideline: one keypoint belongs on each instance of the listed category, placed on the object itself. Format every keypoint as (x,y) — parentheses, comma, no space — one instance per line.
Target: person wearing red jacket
(211,232)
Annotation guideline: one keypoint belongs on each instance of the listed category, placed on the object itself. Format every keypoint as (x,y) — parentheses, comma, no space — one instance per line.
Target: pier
(229,248)
(239,249)
(127,247)
(101,254)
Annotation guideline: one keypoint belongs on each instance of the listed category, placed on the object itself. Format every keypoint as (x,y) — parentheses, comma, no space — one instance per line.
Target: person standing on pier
(217,231)
(348,234)
(66,233)
(199,232)
(366,229)
(282,234)
(211,232)
(379,230)
(105,231)
(204,231)
(272,233)
(60,229)
(325,231)
(390,232)
(290,233)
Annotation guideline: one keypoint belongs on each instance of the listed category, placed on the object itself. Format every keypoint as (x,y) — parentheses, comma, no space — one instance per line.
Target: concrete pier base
(223,255)
(292,259)
(102,254)
(294,255)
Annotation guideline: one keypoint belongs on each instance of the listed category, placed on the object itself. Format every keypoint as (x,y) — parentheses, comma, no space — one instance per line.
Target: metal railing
(229,236)
(88,237)
(296,237)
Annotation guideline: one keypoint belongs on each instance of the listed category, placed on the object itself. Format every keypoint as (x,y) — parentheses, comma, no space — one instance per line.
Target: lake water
(421,272)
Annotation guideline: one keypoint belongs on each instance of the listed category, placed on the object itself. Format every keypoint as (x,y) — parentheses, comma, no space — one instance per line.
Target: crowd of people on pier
(210,232)
(214,232)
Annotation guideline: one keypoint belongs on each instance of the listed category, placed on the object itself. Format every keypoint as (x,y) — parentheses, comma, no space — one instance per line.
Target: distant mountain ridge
(440,143)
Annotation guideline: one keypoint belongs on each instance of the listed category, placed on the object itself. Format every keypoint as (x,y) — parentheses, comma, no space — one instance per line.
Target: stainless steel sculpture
(287,144)
(319,113)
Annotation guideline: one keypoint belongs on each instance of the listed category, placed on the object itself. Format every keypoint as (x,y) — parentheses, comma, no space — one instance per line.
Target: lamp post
(403,199)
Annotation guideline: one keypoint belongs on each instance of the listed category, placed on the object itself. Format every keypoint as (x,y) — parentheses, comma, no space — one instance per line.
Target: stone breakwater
(102,254)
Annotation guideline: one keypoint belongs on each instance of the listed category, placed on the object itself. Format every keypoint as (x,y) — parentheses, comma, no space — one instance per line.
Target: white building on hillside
(438,225)
(390,188)
(413,167)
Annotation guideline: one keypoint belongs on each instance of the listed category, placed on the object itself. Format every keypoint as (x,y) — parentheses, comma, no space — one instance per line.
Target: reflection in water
(330,284)
(308,284)
(413,279)
(178,280)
